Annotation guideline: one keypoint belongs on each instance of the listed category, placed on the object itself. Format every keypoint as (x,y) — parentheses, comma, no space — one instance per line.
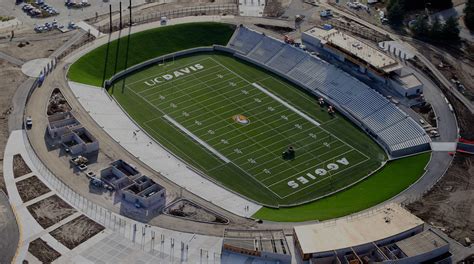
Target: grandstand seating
(245,41)
(287,58)
(400,134)
(265,50)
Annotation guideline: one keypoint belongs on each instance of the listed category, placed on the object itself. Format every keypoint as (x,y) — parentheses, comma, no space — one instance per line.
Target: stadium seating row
(400,134)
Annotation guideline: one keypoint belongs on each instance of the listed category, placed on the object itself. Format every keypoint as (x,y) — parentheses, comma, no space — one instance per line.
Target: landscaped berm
(248,129)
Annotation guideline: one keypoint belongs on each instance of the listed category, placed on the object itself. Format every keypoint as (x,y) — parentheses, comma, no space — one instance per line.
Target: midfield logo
(174,75)
(241,119)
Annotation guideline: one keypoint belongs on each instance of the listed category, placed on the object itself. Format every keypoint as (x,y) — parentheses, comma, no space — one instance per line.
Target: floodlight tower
(108,45)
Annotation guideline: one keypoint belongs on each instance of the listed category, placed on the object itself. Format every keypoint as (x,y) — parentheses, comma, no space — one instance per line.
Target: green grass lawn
(192,114)
(392,179)
(89,69)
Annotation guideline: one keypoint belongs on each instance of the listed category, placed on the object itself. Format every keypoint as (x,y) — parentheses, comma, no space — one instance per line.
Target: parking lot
(65,14)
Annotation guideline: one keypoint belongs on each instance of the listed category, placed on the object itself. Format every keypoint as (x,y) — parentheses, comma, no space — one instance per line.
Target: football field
(233,121)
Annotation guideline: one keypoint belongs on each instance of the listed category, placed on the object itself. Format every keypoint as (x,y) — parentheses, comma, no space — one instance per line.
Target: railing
(229,9)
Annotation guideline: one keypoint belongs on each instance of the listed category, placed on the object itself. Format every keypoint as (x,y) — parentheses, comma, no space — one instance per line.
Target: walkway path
(79,34)
(13,60)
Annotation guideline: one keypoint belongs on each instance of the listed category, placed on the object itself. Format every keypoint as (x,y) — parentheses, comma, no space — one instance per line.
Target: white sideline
(204,144)
(286,104)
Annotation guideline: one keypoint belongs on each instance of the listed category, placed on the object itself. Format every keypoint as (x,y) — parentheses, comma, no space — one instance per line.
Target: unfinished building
(263,244)
(61,123)
(139,195)
(79,142)
(146,197)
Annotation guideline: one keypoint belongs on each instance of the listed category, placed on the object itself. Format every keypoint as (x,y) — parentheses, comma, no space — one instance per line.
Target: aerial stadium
(214,134)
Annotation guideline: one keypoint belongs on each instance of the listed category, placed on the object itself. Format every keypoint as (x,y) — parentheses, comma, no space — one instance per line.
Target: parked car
(29,122)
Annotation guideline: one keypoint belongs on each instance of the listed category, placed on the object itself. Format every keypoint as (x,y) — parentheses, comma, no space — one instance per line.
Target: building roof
(344,233)
(421,243)
(356,48)
(409,81)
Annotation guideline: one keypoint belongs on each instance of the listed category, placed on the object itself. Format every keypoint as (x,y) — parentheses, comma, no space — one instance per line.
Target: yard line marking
(316,165)
(204,144)
(227,112)
(299,95)
(151,75)
(314,157)
(181,86)
(278,99)
(296,142)
(198,90)
(196,164)
(183,81)
(219,102)
(329,177)
(257,121)
(304,131)
(310,158)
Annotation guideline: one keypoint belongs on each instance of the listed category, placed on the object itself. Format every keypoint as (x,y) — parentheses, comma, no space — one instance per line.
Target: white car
(29,122)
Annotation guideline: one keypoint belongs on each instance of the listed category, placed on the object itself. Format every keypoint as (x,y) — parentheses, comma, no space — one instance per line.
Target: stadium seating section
(399,133)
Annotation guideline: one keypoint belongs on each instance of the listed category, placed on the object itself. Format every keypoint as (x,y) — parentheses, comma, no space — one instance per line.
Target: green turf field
(145,45)
(232,121)
(395,177)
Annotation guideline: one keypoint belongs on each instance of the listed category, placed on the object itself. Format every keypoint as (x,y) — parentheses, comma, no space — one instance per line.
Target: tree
(396,13)
(421,27)
(450,31)
(436,30)
(469,14)
(431,4)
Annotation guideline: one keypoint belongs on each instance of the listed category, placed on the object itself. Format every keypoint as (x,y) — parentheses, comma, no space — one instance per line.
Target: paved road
(15,119)
(9,233)
(13,60)
(424,60)
(79,34)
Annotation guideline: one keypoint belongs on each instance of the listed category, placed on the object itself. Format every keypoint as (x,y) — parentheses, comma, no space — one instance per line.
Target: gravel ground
(50,211)
(42,251)
(19,166)
(31,188)
(77,231)
(450,204)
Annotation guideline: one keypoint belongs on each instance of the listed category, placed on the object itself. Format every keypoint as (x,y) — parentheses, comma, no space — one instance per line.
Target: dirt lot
(31,188)
(11,77)
(50,211)
(42,251)
(77,231)
(454,65)
(191,211)
(57,103)
(19,166)
(450,204)
(28,50)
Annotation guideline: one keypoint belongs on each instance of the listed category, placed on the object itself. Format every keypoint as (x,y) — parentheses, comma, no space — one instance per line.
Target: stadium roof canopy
(356,48)
(360,230)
